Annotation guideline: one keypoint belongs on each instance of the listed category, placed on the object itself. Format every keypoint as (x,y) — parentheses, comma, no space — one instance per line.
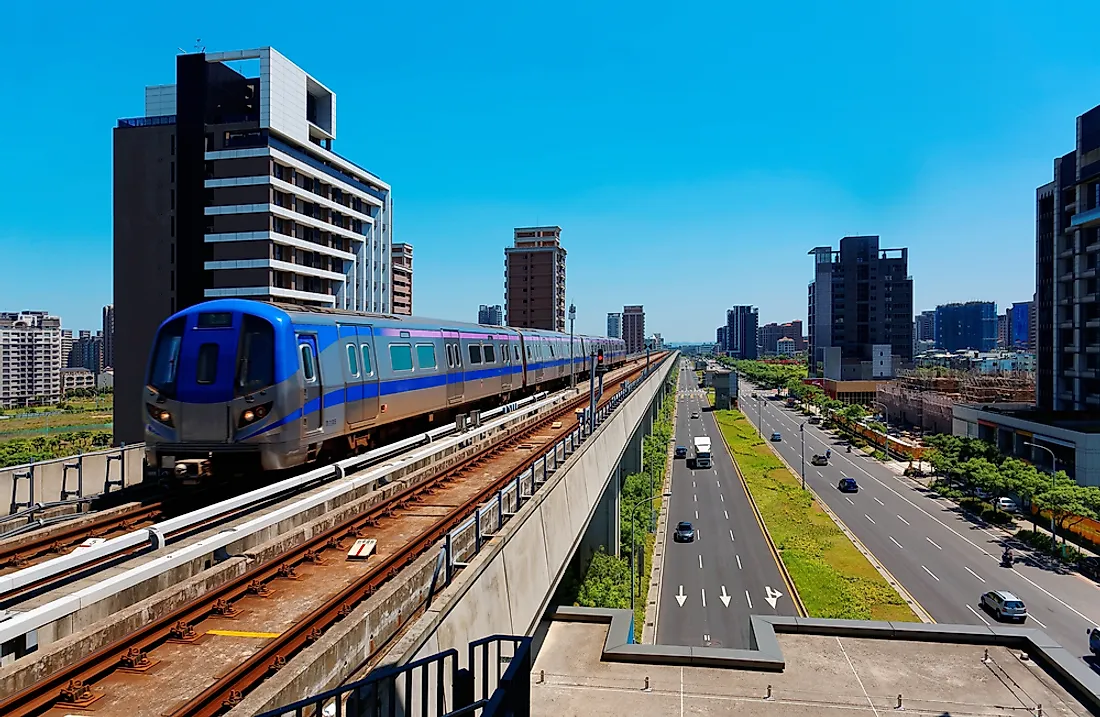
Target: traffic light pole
(592,397)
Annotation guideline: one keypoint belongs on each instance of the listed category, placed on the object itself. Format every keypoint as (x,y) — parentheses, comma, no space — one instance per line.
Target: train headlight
(159,414)
(251,415)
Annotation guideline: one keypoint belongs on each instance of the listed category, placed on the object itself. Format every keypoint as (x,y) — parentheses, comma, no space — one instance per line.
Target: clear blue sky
(692,155)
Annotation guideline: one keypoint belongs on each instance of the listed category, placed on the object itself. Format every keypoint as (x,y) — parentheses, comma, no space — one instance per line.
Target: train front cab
(215,377)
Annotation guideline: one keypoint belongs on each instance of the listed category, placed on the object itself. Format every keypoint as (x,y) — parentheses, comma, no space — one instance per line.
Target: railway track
(203,657)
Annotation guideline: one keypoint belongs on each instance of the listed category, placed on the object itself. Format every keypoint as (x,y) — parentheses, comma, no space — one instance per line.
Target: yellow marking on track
(242,633)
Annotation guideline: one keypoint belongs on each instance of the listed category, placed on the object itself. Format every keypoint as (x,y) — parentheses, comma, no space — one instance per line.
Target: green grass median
(832,577)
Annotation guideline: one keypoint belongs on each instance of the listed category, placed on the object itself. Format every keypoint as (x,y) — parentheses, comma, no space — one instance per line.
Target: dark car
(820,460)
(1090,567)
(776,436)
(848,485)
(681,451)
(685,533)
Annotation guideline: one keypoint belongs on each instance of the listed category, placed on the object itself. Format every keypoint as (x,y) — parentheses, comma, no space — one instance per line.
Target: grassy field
(77,415)
(833,579)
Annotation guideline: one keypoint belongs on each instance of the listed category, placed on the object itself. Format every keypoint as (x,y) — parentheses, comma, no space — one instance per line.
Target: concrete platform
(823,675)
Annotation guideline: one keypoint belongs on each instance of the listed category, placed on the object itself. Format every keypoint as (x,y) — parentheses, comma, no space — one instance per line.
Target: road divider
(829,577)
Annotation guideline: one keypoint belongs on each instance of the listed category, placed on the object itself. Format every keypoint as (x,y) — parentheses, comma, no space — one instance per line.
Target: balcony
(1085,219)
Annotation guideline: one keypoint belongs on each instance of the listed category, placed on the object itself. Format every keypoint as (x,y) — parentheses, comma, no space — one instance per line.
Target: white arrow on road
(773,596)
(725,597)
(681,597)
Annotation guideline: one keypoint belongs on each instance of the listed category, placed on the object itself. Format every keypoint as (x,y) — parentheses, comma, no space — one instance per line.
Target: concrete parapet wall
(507,587)
(89,479)
(767,655)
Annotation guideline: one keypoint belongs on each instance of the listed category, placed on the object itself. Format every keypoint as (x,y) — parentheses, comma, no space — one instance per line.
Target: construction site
(923,398)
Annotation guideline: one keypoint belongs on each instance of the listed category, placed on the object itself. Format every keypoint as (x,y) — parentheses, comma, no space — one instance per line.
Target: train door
(455,379)
(368,372)
(506,366)
(353,375)
(311,386)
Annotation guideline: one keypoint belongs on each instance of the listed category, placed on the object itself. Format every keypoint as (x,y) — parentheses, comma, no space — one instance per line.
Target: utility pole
(592,396)
(572,363)
(802,452)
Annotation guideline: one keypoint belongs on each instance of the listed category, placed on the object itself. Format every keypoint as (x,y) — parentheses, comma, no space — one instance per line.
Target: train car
(237,385)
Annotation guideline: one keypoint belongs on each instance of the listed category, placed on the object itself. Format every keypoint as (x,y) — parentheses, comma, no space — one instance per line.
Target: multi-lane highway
(945,560)
(710,587)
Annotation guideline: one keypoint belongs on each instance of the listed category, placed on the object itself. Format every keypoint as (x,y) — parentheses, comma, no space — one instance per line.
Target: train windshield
(256,368)
(166,355)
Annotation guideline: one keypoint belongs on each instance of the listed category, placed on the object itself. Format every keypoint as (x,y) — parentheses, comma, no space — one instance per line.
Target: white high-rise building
(615,325)
(30,359)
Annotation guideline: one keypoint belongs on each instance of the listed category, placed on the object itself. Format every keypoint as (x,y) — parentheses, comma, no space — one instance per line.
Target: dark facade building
(614,325)
(1067,295)
(228,187)
(860,310)
(109,336)
(88,352)
(720,338)
(634,328)
(490,315)
(926,326)
(972,325)
(768,337)
(741,332)
(1019,326)
(534,279)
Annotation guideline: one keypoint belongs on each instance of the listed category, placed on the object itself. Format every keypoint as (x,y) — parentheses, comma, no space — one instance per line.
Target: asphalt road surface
(709,587)
(943,558)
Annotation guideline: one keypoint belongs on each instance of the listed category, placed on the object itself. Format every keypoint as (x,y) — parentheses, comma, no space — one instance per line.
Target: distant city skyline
(907,171)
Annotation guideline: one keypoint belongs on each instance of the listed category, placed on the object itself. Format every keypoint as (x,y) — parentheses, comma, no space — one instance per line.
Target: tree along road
(944,558)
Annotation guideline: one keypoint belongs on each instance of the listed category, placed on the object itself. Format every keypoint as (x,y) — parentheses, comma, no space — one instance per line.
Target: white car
(1006,504)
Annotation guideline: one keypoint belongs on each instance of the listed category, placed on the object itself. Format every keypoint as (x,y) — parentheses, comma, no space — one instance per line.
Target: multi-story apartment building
(720,338)
(30,359)
(109,335)
(490,315)
(534,279)
(228,187)
(401,281)
(860,312)
(925,328)
(66,348)
(741,332)
(1019,325)
(72,378)
(614,325)
(785,346)
(87,352)
(1003,322)
(970,325)
(768,337)
(634,328)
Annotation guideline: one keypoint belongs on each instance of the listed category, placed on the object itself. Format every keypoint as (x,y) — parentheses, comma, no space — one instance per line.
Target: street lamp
(802,452)
(886,427)
(633,550)
(1053,471)
(572,365)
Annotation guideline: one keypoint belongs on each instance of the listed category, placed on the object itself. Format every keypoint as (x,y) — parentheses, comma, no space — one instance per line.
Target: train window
(504,355)
(309,369)
(515,352)
(551,350)
(529,352)
(458,356)
(450,356)
(353,360)
(256,369)
(365,350)
(475,353)
(401,357)
(206,368)
(162,374)
(490,354)
(425,355)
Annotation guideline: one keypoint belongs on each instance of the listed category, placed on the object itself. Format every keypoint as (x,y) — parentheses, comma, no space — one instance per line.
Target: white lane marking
(697,515)
(867,696)
(930,573)
(718,483)
(879,501)
(715,471)
(896,542)
(693,484)
(722,497)
(979,577)
(738,562)
(726,513)
(704,597)
(933,542)
(695,497)
(681,692)
(1037,620)
(731,536)
(749,599)
(903,520)
(870,519)
(700,561)
(699,534)
(978,614)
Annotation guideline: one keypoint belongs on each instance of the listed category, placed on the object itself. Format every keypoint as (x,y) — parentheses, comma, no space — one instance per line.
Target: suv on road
(777,437)
(685,533)
(1004,605)
(681,451)
(848,485)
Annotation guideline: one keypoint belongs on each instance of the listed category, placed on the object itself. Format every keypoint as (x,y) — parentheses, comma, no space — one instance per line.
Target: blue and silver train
(236,385)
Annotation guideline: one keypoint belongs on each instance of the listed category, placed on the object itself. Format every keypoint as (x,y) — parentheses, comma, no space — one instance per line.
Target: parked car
(1094,641)
(1090,567)
(848,485)
(815,419)
(685,533)
(681,451)
(1004,605)
(1006,504)
(819,460)
(776,436)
